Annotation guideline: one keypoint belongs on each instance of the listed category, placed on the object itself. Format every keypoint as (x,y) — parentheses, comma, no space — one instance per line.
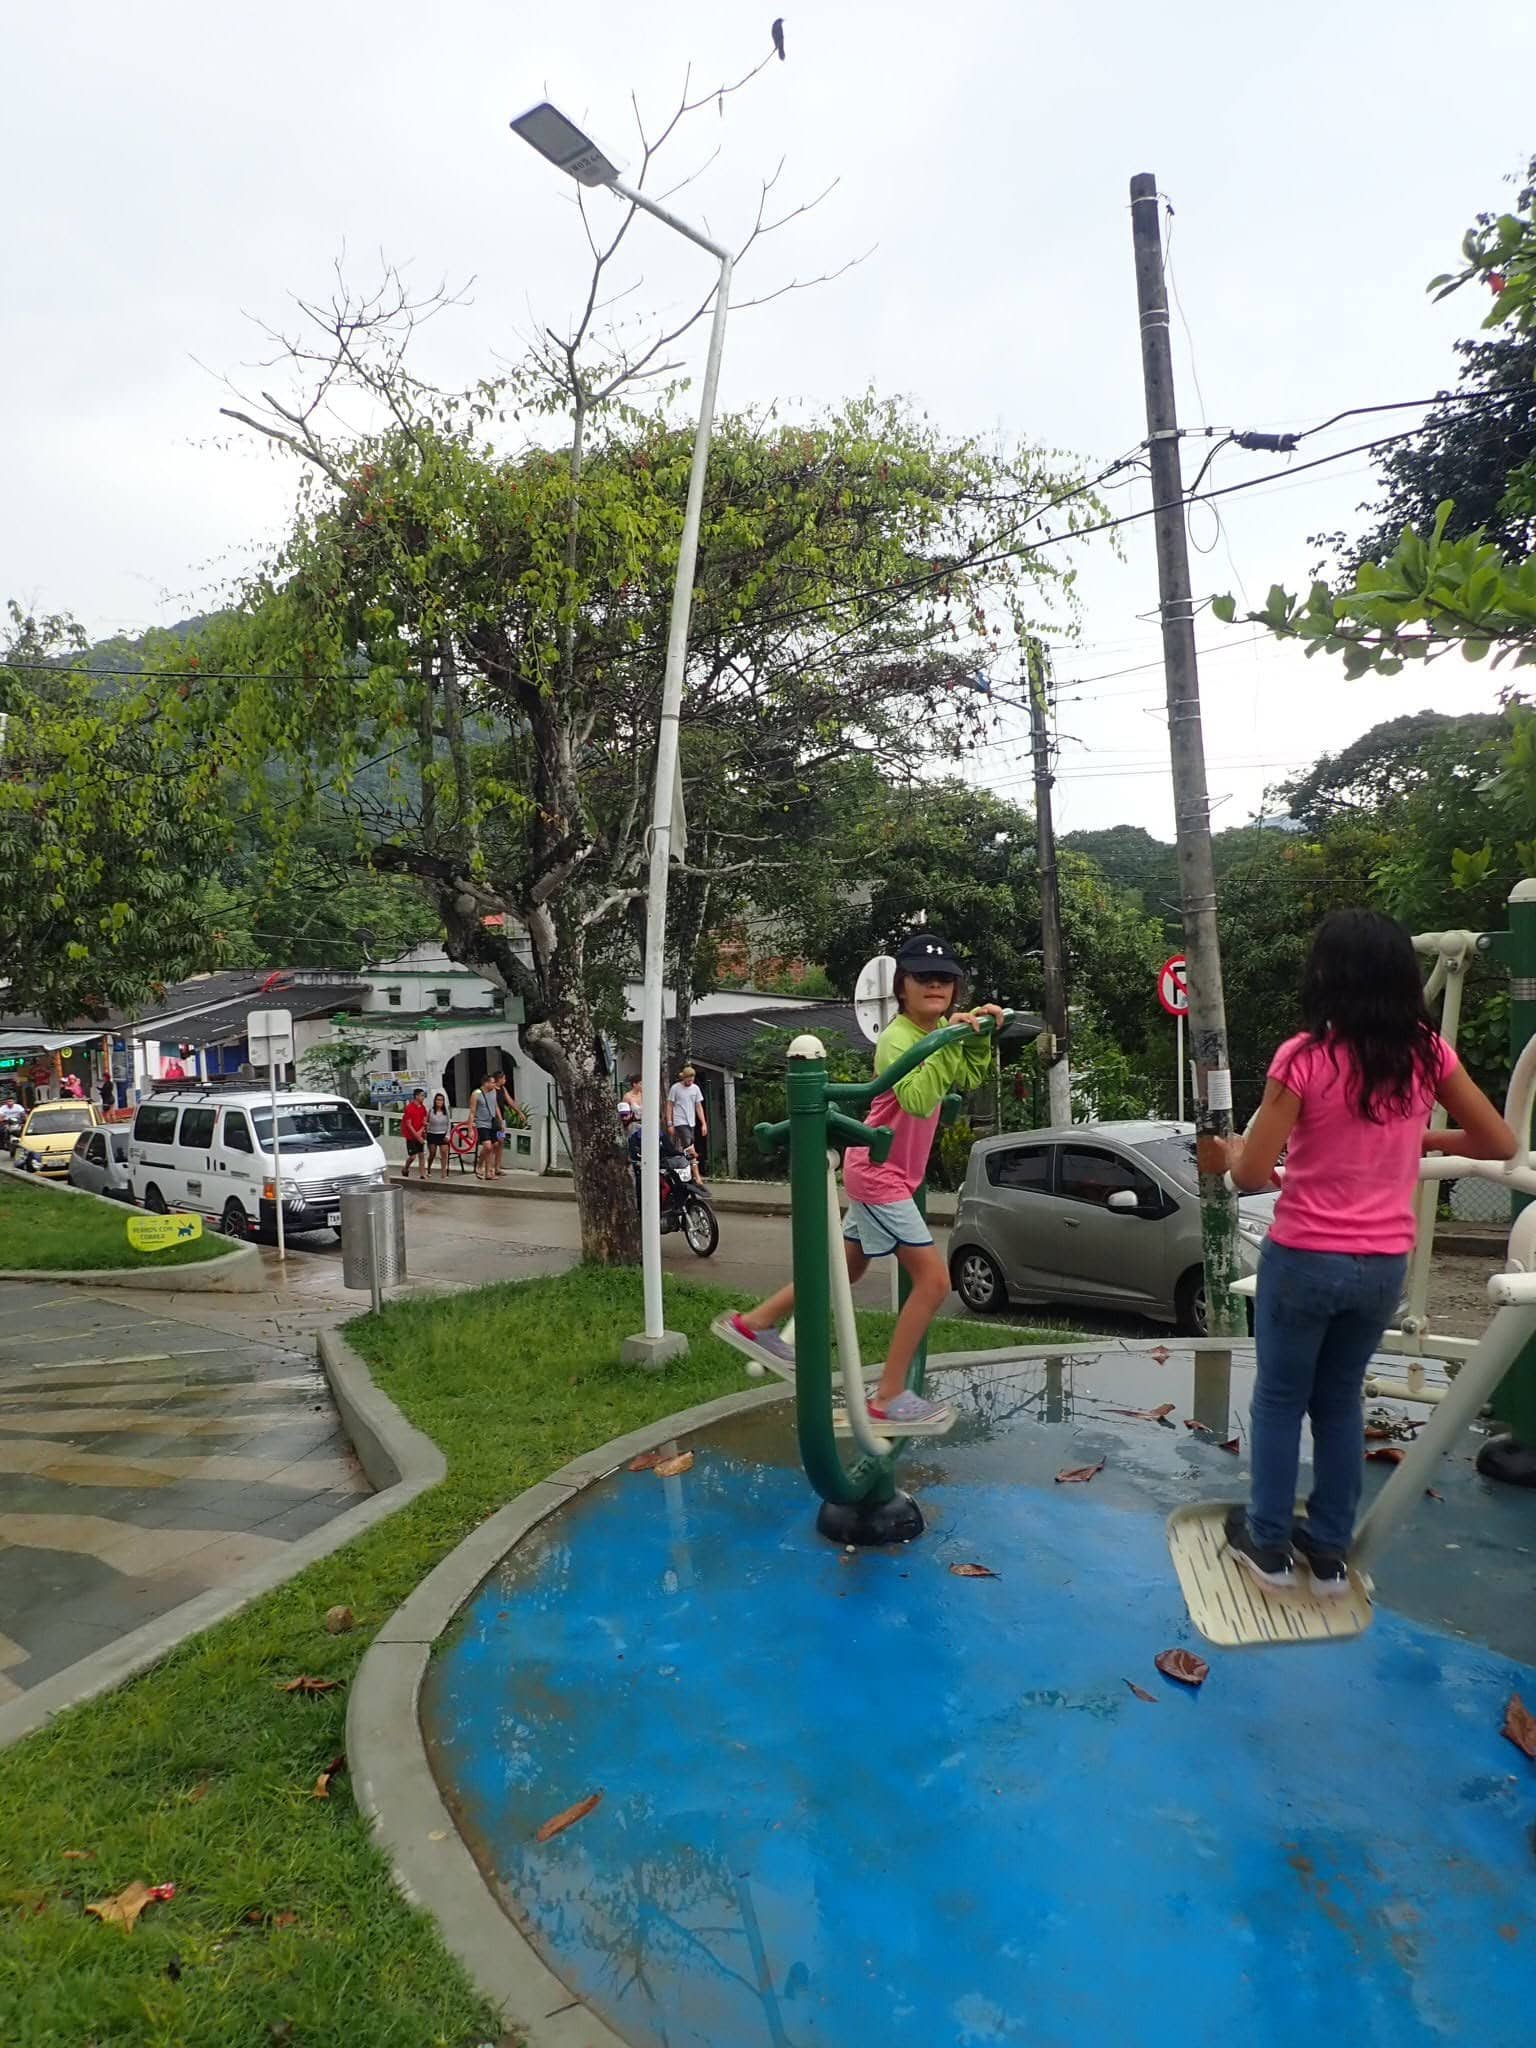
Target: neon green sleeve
(963,1065)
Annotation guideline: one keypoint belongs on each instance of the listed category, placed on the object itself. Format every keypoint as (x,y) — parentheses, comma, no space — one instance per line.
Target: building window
(443,997)
(396,1060)
(392,996)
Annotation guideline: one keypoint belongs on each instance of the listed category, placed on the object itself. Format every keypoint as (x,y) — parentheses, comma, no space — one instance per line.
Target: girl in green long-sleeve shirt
(883,1217)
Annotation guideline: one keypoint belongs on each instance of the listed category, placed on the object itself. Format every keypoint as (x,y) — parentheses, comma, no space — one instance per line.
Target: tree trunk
(600,1168)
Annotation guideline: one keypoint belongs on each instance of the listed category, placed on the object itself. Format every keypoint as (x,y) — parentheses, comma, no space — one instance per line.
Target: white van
(210,1150)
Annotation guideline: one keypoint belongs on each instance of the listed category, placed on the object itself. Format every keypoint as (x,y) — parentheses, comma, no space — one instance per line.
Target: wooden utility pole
(1191,799)
(1058,1073)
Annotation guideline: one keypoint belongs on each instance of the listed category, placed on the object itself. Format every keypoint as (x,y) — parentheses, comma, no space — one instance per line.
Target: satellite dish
(874,996)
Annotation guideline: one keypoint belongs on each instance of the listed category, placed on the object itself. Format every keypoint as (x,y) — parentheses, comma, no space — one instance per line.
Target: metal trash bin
(372,1239)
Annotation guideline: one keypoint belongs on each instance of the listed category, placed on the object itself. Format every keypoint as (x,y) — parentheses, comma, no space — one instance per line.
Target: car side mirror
(1124,1200)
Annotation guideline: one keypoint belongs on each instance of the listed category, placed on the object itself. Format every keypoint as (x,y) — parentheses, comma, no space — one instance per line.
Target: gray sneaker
(734,1330)
(909,1408)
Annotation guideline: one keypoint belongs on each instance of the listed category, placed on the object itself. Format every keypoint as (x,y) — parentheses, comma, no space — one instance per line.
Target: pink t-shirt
(1349,1183)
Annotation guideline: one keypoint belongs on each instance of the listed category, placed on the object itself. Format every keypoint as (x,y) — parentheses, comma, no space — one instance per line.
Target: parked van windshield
(312,1127)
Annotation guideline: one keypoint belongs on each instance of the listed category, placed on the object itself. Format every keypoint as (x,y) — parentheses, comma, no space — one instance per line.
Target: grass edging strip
(400,1463)
(233,1269)
(392,1780)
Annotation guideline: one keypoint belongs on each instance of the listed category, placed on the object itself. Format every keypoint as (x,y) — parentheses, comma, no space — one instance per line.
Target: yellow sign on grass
(159,1233)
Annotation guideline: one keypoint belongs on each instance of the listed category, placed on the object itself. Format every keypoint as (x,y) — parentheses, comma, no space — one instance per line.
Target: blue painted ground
(856,1798)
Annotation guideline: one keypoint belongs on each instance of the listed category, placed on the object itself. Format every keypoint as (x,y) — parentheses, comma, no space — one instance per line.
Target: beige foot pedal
(757,1361)
(940,1426)
(1233,1610)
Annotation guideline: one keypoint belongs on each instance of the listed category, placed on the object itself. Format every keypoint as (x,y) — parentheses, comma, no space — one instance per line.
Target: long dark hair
(1360,992)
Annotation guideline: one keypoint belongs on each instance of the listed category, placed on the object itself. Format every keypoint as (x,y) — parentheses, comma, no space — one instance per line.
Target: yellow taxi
(48,1136)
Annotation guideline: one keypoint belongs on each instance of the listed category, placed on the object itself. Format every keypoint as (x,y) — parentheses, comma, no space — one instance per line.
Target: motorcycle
(684,1204)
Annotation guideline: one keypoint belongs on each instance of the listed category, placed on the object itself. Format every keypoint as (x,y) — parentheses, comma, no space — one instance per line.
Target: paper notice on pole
(1218,1088)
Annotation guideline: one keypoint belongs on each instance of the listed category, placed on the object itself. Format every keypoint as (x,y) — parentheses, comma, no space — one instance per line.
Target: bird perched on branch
(778,37)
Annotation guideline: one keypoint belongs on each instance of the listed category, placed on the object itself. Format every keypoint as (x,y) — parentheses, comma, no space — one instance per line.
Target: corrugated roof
(722,1041)
(227,1021)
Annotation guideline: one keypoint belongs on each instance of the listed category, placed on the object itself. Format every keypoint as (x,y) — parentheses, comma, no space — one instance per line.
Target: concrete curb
(235,1271)
(399,1461)
(392,1780)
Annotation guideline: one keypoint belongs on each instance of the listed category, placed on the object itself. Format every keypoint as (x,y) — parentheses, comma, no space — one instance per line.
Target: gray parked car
(1098,1215)
(99,1162)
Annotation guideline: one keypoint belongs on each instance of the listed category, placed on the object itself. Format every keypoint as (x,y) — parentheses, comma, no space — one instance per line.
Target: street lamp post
(564,144)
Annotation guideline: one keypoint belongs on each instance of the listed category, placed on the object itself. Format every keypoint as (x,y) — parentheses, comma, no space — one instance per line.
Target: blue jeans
(1318,1318)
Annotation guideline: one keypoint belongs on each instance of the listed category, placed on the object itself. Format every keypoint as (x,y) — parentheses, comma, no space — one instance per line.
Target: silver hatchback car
(1096,1215)
(99,1162)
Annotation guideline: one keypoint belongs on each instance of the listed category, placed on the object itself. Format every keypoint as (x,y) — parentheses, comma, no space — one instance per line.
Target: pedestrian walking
(413,1128)
(483,1114)
(686,1118)
(439,1124)
(1347,1101)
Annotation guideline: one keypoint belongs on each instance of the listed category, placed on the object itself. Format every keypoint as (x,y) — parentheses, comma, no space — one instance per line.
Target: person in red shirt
(413,1128)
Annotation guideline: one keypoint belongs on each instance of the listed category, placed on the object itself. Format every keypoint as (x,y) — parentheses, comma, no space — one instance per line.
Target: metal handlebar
(864,1092)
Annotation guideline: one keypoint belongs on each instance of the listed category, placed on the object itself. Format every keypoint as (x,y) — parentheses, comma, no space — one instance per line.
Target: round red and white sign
(1173,986)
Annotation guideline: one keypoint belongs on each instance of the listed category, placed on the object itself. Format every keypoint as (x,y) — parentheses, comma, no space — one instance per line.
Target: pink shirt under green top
(1349,1183)
(911,1110)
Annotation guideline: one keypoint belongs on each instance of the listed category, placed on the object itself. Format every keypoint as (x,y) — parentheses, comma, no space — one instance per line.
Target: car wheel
(1189,1303)
(154,1201)
(234,1222)
(977,1280)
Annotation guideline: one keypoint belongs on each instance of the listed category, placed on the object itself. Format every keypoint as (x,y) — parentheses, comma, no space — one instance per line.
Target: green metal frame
(816,1119)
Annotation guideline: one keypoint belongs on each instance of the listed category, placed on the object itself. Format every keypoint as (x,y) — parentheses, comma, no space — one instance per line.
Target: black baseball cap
(928,953)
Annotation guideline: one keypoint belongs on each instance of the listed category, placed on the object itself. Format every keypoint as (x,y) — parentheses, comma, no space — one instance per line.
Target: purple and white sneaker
(760,1347)
(910,1410)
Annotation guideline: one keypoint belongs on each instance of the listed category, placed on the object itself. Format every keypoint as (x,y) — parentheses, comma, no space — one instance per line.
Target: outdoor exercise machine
(861,1502)
(1230,1608)
(1509,1457)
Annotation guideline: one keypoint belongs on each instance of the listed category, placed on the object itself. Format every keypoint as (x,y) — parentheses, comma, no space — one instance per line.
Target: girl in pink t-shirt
(1348,1101)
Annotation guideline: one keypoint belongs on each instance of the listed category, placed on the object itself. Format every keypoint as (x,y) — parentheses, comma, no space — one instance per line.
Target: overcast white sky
(173,169)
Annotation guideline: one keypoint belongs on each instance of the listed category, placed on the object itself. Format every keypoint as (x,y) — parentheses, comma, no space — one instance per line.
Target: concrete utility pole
(1058,1073)
(1191,799)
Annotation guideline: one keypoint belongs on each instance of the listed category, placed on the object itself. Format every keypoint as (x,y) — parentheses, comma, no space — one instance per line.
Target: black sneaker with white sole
(1329,1568)
(1270,1565)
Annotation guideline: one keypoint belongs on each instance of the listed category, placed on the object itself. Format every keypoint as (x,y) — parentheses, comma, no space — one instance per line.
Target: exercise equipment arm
(863,1093)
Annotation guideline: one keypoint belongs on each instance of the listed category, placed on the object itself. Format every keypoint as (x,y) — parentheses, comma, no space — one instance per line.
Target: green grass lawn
(43,1229)
(199,1774)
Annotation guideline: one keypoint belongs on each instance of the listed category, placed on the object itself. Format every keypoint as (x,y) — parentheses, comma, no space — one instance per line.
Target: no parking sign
(1173,986)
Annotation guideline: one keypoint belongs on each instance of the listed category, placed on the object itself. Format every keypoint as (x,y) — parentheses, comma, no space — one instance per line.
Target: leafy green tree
(106,837)
(483,634)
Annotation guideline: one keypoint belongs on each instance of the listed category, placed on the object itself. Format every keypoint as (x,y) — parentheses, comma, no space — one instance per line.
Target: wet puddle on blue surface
(855,1796)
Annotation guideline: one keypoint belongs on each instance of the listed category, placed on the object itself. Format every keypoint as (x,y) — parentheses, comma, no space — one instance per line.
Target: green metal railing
(816,1119)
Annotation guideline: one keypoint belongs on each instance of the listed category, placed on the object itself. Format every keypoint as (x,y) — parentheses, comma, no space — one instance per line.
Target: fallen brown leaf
(1146,1414)
(124,1910)
(308,1685)
(284,1919)
(334,1769)
(1379,1433)
(78,1855)
(1200,1428)
(1233,1444)
(971,1571)
(199,1791)
(1141,1694)
(338,1620)
(1520,1726)
(670,1467)
(1387,1454)
(1183,1665)
(1159,1353)
(1430,1494)
(1079,1475)
(568,1819)
(647,1461)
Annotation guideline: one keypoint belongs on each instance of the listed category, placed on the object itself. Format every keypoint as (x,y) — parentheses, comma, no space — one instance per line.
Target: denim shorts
(878,1228)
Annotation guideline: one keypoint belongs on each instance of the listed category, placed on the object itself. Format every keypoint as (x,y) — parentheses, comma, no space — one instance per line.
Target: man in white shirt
(685,1116)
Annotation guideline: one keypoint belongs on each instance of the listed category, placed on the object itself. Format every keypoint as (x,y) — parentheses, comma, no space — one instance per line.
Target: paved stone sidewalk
(145,1457)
